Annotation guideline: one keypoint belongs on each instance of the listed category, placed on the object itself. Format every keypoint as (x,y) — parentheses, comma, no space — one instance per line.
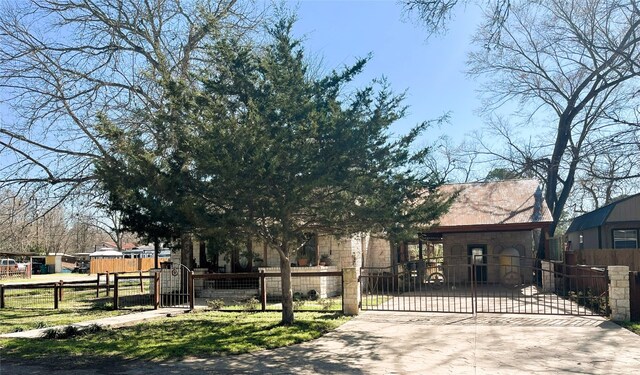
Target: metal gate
(483,283)
(175,285)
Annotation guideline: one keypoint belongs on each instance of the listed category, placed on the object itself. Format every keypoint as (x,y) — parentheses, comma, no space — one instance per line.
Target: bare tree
(434,15)
(453,163)
(65,63)
(570,63)
(107,224)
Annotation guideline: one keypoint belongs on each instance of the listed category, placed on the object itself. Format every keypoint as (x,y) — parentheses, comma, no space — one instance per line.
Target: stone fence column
(548,276)
(351,291)
(619,293)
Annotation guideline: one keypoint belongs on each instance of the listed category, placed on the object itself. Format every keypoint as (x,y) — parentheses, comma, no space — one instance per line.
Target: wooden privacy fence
(634,295)
(610,257)
(122,265)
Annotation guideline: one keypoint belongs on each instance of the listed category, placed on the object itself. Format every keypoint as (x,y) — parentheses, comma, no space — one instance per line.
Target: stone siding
(619,301)
(456,251)
(351,291)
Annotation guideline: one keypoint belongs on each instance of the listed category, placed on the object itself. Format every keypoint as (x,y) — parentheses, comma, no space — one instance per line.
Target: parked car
(8,265)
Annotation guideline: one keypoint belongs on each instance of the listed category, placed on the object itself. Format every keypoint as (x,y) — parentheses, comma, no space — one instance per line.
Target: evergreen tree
(265,148)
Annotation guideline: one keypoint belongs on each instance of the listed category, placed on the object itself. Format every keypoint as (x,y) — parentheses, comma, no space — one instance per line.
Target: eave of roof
(596,217)
(489,227)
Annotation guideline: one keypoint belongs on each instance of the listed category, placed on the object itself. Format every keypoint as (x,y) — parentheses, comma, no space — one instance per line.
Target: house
(486,220)
(614,226)
(489,224)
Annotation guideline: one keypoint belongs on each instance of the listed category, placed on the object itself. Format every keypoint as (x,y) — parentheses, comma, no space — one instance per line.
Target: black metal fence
(485,284)
(312,291)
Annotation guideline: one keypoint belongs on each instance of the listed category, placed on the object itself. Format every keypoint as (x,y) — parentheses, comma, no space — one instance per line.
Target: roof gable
(596,217)
(501,203)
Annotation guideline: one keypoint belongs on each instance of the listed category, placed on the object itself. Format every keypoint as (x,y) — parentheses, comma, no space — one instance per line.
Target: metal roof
(595,218)
(515,203)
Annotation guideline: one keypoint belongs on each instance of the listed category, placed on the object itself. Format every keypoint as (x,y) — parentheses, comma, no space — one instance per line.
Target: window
(625,238)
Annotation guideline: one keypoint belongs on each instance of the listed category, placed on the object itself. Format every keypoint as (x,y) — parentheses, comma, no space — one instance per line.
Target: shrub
(251,304)
(297,296)
(52,333)
(215,304)
(70,331)
(298,304)
(325,303)
(93,328)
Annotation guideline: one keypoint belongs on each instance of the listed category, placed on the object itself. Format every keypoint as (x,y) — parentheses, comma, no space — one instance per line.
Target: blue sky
(432,71)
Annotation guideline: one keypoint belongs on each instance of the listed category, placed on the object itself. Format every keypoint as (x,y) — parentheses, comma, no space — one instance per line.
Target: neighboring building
(614,226)
(487,220)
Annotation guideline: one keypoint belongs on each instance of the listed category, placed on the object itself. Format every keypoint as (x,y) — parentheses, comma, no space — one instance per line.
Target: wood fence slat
(122,265)
(610,257)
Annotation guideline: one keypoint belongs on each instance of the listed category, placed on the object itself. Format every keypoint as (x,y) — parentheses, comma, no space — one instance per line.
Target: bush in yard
(215,304)
(251,304)
(325,303)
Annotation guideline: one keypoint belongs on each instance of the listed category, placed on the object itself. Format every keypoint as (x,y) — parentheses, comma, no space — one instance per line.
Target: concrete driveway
(419,343)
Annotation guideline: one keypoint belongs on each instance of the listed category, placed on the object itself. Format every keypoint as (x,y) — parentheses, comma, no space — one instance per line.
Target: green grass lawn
(203,334)
(14,320)
(632,326)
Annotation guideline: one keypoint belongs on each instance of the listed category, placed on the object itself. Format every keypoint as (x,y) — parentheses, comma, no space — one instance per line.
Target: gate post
(263,291)
(97,285)
(60,290)
(115,291)
(619,293)
(156,290)
(192,290)
(55,296)
(350,291)
(108,284)
(548,276)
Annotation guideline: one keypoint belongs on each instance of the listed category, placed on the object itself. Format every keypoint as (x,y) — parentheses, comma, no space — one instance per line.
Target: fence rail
(78,294)
(102,292)
(261,291)
(227,291)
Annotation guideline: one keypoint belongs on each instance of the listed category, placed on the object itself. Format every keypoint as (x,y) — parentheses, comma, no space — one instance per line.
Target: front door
(478,263)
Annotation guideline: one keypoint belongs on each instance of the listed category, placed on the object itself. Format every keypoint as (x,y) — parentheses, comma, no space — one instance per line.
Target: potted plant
(325,260)
(303,260)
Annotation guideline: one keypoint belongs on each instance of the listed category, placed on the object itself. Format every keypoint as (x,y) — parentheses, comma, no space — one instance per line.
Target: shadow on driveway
(416,343)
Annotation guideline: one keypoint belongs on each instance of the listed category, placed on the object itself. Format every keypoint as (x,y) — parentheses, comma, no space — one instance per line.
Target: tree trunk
(287,293)
(186,250)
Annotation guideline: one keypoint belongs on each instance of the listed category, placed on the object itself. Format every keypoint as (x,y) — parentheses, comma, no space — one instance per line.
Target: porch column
(619,293)
(350,291)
